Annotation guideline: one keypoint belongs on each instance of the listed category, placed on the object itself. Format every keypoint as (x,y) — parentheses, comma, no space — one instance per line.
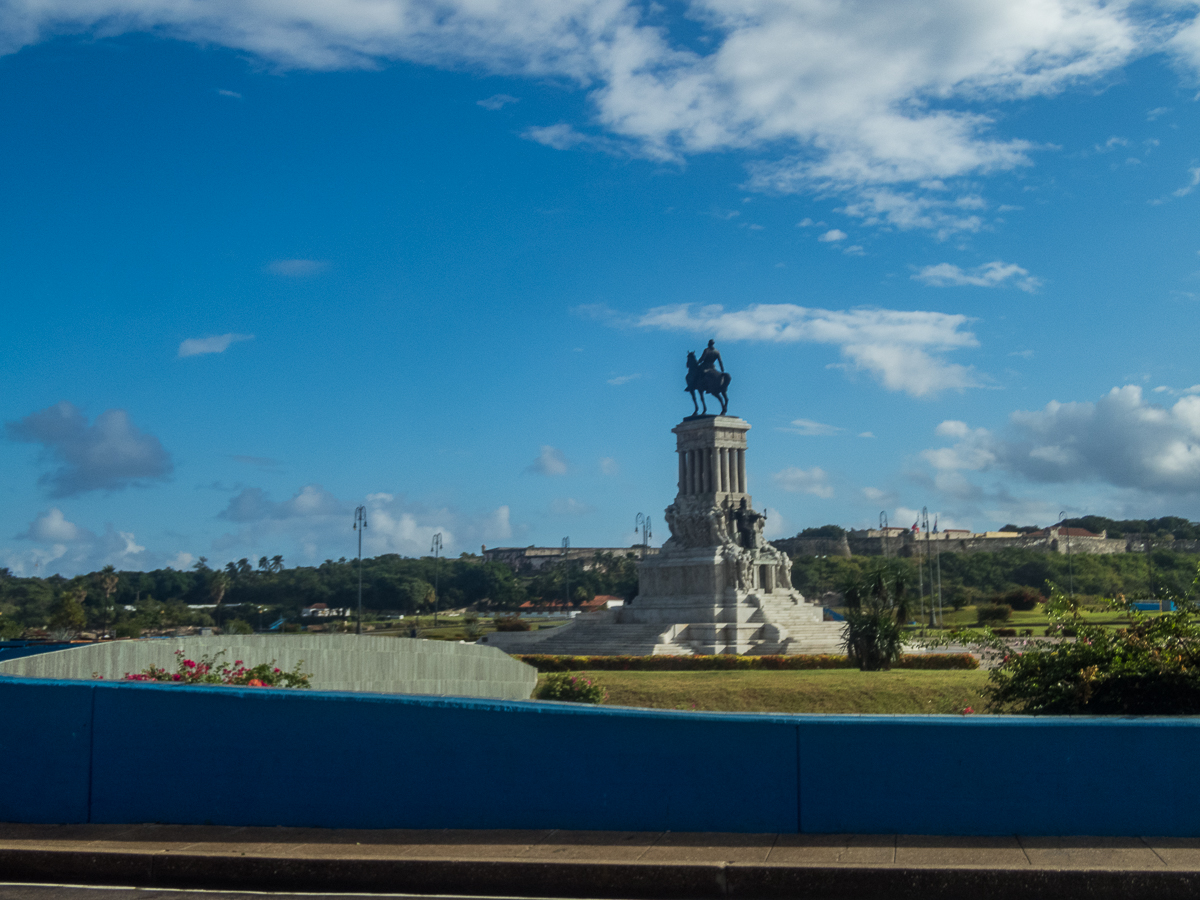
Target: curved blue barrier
(125,753)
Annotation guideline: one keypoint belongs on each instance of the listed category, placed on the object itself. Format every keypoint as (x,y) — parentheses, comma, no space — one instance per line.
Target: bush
(548,663)
(512,623)
(1023,599)
(993,612)
(1004,632)
(128,629)
(211,670)
(571,689)
(1150,668)
(872,638)
(238,626)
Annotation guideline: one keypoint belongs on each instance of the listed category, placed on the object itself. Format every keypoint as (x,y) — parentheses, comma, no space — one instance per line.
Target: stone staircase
(763,625)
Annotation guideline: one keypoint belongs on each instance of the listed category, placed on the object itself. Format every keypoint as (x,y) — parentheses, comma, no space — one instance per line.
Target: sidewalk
(554,863)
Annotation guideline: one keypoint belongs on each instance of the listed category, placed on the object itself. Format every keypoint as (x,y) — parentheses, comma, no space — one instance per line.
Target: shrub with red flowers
(213,670)
(571,688)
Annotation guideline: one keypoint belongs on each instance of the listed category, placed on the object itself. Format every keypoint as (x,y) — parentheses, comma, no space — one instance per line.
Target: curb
(570,879)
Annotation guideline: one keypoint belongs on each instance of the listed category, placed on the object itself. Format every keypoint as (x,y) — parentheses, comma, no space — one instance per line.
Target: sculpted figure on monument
(749,525)
(704,378)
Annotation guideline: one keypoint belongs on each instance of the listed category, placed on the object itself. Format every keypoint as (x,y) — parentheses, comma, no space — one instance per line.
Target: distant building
(531,558)
(905,542)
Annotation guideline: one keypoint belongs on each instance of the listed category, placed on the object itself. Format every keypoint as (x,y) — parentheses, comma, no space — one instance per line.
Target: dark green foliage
(872,637)
(728,661)
(834,532)
(571,689)
(1023,599)
(1151,668)
(993,612)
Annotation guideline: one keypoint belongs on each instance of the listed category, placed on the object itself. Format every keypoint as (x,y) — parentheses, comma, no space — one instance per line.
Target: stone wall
(908,546)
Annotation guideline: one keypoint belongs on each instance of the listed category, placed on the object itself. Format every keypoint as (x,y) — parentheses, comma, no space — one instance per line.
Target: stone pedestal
(717,586)
(717,580)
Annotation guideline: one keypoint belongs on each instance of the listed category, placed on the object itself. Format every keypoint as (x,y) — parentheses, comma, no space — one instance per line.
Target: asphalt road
(83,892)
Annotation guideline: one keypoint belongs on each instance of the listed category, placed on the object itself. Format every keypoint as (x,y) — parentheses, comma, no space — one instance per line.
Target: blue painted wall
(119,753)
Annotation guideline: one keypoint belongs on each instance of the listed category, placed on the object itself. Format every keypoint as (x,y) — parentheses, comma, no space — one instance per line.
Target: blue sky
(447,260)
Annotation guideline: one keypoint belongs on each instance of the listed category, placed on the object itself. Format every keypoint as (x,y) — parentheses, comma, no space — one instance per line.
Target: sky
(264,263)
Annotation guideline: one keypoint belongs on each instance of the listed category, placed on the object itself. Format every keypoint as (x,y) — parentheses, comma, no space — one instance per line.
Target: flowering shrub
(548,663)
(571,688)
(211,670)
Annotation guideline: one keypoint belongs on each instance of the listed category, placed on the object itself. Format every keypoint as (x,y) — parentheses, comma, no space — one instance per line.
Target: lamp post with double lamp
(360,522)
(1062,518)
(642,524)
(566,546)
(436,549)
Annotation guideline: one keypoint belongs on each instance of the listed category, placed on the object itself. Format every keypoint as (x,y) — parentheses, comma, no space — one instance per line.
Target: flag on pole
(915,528)
(935,525)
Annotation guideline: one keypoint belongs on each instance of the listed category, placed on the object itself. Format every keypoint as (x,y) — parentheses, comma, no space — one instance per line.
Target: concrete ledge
(600,864)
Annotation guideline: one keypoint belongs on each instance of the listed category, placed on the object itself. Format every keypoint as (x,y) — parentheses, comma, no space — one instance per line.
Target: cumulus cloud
(549,462)
(1121,440)
(63,547)
(1193,181)
(318,523)
(569,506)
(904,351)
(830,96)
(809,428)
(218,343)
(800,481)
(497,101)
(108,454)
(834,234)
(993,274)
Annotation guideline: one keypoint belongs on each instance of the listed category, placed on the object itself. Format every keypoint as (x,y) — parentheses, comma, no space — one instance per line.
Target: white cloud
(569,506)
(62,547)
(834,234)
(866,434)
(832,96)
(318,523)
(608,466)
(218,343)
(624,379)
(109,454)
(296,268)
(809,428)
(1191,185)
(225,93)
(1152,114)
(874,494)
(497,101)
(902,350)
(800,481)
(549,462)
(1121,440)
(776,526)
(854,250)
(993,274)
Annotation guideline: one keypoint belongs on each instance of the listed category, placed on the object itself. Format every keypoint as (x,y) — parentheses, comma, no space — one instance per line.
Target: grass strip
(727,662)
(813,691)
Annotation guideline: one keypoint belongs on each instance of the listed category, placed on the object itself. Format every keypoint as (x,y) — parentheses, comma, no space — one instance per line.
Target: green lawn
(819,691)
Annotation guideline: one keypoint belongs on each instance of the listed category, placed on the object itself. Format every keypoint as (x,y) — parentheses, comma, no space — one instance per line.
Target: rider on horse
(710,355)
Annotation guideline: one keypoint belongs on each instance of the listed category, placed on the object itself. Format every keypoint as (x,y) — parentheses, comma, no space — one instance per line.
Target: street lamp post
(883,528)
(566,547)
(642,524)
(1062,518)
(360,522)
(436,549)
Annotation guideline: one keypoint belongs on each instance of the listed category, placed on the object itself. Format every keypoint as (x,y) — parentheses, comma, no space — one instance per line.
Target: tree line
(256,595)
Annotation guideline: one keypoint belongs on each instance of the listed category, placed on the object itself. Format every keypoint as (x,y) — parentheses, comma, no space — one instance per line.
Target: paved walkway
(553,863)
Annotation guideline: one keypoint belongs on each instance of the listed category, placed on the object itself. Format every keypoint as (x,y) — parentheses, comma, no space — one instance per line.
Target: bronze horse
(706,382)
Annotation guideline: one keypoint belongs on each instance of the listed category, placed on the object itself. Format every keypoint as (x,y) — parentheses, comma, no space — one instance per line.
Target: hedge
(546,663)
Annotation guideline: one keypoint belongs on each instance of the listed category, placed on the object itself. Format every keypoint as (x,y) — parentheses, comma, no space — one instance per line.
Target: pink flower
(176,676)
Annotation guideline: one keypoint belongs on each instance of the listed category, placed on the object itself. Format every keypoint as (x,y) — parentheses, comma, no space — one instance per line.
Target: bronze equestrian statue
(702,376)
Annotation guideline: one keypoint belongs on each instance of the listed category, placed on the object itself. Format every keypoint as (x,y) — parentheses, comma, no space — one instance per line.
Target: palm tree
(277,564)
(217,586)
(108,583)
(264,564)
